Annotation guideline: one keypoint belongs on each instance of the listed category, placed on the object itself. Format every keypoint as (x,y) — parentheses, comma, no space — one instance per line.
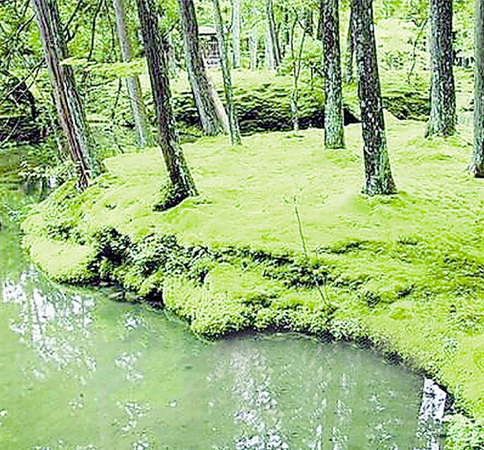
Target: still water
(79,371)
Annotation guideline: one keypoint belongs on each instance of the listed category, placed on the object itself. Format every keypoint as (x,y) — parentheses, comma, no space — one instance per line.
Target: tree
(350,51)
(227,78)
(236,32)
(156,49)
(210,109)
(134,86)
(68,103)
(378,174)
(477,163)
(442,97)
(272,42)
(333,110)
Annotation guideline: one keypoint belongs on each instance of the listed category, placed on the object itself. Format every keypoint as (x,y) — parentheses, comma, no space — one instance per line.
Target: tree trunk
(378,174)
(213,117)
(156,54)
(333,110)
(442,97)
(477,163)
(320,30)
(134,87)
(350,51)
(253,47)
(236,32)
(227,78)
(67,100)
(273,41)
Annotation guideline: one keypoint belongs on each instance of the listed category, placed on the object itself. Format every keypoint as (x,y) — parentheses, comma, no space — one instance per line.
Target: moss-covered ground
(405,271)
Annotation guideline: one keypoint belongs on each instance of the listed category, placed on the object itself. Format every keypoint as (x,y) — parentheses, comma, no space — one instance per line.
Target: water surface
(79,371)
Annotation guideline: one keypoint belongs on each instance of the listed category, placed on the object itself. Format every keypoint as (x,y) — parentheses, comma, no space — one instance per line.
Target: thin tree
(442,96)
(134,87)
(350,48)
(68,103)
(227,78)
(477,163)
(156,49)
(378,174)
(333,110)
(236,33)
(272,43)
(210,109)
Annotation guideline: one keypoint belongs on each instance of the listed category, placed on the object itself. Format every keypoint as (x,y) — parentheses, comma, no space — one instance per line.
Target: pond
(79,371)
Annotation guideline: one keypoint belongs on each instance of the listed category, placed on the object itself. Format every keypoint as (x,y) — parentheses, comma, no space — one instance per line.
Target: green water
(79,371)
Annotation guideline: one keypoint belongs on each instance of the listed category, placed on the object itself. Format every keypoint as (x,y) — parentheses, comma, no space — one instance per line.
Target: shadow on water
(82,372)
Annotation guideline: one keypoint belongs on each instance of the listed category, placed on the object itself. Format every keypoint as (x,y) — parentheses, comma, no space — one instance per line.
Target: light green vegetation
(405,270)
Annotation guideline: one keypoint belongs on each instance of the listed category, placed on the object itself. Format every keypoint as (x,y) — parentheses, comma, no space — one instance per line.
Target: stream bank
(404,272)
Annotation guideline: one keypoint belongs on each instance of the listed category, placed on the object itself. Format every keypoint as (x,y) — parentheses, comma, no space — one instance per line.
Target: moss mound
(406,271)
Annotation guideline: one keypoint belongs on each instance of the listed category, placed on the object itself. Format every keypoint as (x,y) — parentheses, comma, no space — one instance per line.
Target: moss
(406,271)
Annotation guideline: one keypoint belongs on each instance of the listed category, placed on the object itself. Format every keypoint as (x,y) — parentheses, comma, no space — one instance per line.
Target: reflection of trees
(52,322)
(301,394)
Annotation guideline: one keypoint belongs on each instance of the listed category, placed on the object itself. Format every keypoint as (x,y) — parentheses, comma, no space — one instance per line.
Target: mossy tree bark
(236,33)
(68,103)
(273,39)
(477,163)
(378,174)
(157,57)
(333,110)
(210,109)
(227,78)
(134,87)
(442,96)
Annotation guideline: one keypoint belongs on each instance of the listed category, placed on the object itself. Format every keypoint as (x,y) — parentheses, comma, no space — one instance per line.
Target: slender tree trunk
(296,73)
(253,47)
(236,32)
(350,50)
(212,114)
(477,163)
(378,174)
(67,100)
(442,97)
(320,30)
(227,78)
(269,54)
(134,87)
(156,54)
(273,40)
(333,109)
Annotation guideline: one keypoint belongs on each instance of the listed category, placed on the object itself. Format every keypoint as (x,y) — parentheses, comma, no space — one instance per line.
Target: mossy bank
(405,272)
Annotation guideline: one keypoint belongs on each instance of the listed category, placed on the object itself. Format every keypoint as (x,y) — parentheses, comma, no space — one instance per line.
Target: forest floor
(405,271)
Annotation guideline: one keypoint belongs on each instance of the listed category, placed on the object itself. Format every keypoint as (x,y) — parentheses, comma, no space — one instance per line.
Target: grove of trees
(85,40)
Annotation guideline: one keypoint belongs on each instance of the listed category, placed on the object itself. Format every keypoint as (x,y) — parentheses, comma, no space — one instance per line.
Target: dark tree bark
(210,109)
(68,103)
(227,78)
(477,163)
(333,110)
(134,87)
(378,174)
(273,40)
(157,57)
(442,97)
(350,50)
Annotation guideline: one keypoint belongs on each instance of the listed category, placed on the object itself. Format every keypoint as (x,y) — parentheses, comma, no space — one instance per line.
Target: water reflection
(135,380)
(53,325)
